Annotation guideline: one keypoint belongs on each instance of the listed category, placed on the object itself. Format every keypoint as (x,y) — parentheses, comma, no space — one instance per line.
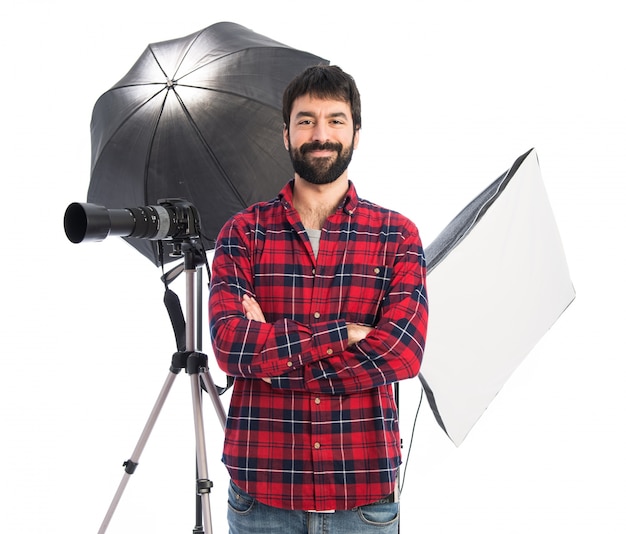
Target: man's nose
(320,132)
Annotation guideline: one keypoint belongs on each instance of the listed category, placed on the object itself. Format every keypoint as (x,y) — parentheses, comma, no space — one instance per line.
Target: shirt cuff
(329,338)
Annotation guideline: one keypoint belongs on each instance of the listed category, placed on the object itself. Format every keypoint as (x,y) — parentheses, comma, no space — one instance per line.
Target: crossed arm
(253,312)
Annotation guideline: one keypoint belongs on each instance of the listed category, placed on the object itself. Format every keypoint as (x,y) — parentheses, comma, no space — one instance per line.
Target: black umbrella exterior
(197,118)
(497,281)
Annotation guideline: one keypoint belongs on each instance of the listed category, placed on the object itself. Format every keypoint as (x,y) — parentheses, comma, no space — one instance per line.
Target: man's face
(320,139)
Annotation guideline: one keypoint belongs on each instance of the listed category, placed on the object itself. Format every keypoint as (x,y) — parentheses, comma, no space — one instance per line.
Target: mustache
(316,145)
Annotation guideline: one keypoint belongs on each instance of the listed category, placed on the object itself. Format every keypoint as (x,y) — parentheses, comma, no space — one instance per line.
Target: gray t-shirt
(314,238)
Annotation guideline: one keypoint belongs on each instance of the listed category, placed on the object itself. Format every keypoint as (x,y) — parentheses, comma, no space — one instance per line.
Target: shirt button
(317,400)
(289,364)
(376,270)
(329,351)
(317,315)
(313,271)
(316,445)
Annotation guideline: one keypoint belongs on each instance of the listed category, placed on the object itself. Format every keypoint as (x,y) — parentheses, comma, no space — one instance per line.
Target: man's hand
(252,309)
(356,332)
(254,313)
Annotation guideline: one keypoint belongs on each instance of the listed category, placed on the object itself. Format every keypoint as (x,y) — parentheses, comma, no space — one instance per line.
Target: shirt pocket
(364,287)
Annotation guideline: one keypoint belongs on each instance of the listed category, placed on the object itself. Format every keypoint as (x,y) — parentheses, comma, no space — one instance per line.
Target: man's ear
(286,136)
(357,135)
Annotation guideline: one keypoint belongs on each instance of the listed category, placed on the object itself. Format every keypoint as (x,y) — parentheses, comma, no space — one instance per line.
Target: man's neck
(315,203)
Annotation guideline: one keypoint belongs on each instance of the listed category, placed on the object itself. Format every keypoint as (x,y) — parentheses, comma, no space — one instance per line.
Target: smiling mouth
(321,153)
(321,149)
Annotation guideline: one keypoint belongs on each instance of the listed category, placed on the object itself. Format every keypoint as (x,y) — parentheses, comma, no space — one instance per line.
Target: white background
(453,92)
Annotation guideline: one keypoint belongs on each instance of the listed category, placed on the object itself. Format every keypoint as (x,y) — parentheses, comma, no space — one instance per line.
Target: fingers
(357,332)
(252,309)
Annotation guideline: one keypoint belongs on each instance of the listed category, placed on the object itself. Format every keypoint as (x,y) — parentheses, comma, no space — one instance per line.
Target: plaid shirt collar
(349,204)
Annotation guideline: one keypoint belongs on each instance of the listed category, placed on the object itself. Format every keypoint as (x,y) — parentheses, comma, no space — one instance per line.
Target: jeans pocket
(238,500)
(379,514)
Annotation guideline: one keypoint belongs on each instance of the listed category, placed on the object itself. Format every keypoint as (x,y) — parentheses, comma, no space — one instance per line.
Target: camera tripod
(195,364)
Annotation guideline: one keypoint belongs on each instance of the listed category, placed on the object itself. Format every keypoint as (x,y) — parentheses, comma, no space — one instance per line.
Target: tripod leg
(131,464)
(203,483)
(209,386)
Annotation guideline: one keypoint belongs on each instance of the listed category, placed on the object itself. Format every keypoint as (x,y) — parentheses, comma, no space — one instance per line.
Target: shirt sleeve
(393,351)
(253,349)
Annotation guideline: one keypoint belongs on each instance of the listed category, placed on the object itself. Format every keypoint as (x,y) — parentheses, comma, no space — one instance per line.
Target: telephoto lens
(170,219)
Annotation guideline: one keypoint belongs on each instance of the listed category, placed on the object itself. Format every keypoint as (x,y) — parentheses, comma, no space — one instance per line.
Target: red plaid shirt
(324,435)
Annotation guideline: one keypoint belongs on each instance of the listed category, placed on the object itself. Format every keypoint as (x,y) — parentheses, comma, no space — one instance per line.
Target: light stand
(195,364)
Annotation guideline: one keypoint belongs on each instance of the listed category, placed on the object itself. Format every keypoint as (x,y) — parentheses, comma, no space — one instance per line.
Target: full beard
(320,171)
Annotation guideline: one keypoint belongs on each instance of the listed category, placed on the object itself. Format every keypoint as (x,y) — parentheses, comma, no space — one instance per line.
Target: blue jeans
(248,516)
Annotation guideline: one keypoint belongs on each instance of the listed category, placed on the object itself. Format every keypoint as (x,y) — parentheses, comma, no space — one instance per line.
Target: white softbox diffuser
(497,281)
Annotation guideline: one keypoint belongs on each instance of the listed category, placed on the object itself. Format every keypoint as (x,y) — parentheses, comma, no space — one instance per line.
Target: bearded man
(317,307)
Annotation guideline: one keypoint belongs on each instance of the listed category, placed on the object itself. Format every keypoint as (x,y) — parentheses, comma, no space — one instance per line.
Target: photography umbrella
(497,281)
(197,118)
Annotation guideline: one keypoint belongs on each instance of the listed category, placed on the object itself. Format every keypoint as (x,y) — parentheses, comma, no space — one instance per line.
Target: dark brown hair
(324,81)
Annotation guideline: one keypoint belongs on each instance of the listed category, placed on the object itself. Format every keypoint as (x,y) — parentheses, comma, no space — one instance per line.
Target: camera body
(170,219)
